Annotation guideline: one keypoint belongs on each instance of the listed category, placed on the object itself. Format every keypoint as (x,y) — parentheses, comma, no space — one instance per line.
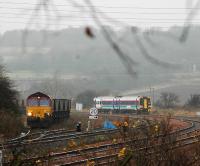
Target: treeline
(8,96)
(10,118)
(171,100)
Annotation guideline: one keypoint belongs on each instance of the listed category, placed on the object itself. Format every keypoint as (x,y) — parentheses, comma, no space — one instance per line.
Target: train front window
(44,102)
(141,101)
(32,102)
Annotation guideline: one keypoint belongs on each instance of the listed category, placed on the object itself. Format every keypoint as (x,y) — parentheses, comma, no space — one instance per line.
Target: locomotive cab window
(32,102)
(44,102)
(141,101)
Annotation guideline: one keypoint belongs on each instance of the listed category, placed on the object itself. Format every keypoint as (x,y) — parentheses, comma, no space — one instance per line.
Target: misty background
(67,62)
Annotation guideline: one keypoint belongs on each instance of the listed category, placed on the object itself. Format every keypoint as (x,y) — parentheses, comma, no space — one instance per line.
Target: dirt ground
(177,111)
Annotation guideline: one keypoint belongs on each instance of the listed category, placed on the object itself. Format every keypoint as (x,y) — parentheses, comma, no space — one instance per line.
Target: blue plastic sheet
(108,125)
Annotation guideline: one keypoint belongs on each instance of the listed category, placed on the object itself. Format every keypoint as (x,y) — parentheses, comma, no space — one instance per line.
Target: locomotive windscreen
(32,102)
(44,102)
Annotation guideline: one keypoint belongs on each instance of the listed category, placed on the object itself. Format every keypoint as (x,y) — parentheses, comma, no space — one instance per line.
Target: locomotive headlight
(29,114)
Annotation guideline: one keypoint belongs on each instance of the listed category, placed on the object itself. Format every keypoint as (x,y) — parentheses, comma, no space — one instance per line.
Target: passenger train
(123,104)
(42,110)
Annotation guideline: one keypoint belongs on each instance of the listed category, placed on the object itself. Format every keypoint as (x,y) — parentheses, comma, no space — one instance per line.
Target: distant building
(79,106)
(194,68)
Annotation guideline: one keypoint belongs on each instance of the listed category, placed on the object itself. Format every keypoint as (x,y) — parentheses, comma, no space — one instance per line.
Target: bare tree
(54,86)
(86,98)
(194,100)
(167,100)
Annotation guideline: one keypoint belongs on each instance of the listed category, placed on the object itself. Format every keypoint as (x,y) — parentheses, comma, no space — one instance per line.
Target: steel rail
(58,138)
(103,146)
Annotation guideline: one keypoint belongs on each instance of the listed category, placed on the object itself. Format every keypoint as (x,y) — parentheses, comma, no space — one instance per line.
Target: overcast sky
(60,14)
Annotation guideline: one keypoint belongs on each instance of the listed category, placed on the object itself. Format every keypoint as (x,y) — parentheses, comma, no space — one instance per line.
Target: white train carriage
(123,104)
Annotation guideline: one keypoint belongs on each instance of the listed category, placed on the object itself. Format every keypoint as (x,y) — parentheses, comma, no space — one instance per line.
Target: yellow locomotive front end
(39,110)
(145,103)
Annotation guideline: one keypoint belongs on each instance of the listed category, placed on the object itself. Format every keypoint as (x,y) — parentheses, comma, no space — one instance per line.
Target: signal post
(92,117)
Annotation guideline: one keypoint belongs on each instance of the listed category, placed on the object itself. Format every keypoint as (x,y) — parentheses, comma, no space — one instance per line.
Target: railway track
(112,157)
(52,136)
(28,137)
(88,150)
(112,148)
(47,139)
(191,134)
(187,136)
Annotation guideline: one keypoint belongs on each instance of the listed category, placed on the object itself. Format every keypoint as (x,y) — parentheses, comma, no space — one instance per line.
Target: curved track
(58,136)
(186,136)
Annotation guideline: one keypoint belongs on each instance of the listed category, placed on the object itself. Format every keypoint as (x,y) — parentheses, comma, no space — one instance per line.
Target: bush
(11,125)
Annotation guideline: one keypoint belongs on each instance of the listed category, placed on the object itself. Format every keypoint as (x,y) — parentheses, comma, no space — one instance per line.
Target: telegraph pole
(153,97)
(152,94)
